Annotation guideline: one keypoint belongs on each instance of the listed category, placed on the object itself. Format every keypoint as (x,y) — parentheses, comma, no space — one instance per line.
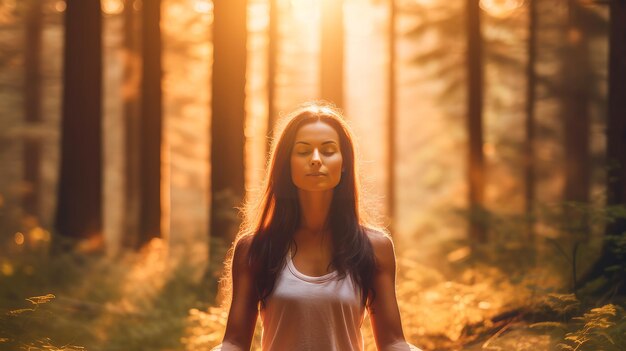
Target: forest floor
(154,300)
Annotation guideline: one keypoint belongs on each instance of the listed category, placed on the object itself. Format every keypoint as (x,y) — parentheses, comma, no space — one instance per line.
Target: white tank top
(306,313)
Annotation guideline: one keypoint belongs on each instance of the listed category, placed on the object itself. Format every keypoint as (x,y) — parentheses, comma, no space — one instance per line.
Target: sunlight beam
(500,8)
(305,10)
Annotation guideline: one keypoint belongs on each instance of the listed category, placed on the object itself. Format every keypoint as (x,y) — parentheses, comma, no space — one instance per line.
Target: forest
(491,138)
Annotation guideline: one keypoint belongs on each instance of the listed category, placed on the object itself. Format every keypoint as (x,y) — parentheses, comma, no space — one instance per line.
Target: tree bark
(475,166)
(616,147)
(576,75)
(391,116)
(227,128)
(272,61)
(32,105)
(132,135)
(529,154)
(79,208)
(616,154)
(331,51)
(150,124)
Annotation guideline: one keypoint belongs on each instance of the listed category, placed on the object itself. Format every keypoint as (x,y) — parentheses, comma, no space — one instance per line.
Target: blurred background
(491,140)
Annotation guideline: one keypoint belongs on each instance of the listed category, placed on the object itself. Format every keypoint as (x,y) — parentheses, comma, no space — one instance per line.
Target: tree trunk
(391,116)
(79,208)
(132,135)
(331,50)
(150,124)
(227,128)
(272,60)
(616,156)
(529,155)
(576,75)
(476,182)
(32,105)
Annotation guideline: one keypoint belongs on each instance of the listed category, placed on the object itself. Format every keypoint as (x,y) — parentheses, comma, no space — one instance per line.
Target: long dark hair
(271,219)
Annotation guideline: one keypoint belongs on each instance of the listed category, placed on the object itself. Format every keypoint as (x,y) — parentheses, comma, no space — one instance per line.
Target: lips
(316,174)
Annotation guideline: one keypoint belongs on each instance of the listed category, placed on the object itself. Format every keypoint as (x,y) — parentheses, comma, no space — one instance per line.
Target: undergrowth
(136,302)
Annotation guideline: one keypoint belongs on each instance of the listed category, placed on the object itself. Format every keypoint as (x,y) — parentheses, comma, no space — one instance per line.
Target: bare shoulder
(241,250)
(382,244)
(244,242)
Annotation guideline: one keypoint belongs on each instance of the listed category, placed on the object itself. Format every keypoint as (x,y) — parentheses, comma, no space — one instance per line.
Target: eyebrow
(324,143)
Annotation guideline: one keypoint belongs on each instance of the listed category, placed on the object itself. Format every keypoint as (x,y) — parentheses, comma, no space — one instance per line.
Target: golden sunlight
(7,8)
(19,238)
(112,7)
(305,10)
(500,8)
(60,6)
(203,6)
(258,20)
(38,234)
(7,268)
(489,149)
(424,2)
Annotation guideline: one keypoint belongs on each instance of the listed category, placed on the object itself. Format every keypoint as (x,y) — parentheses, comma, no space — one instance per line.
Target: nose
(315,159)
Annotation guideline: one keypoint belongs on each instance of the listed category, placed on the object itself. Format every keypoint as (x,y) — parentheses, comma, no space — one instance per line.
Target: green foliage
(161,320)
(22,328)
(138,301)
(600,328)
(562,304)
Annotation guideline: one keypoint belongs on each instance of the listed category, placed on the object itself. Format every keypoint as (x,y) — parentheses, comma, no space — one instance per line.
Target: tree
(529,155)
(150,124)
(575,94)
(130,96)
(611,263)
(391,115)
(32,104)
(331,49)
(272,60)
(442,19)
(227,127)
(79,207)
(475,161)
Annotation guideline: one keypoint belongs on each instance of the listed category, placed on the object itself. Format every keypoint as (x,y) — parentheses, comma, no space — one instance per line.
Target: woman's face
(316,160)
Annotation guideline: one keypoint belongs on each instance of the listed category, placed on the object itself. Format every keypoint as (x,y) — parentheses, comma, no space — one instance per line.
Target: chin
(314,189)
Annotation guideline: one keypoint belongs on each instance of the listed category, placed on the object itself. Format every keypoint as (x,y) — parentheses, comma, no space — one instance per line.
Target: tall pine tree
(150,124)
(612,263)
(391,117)
(32,104)
(529,154)
(79,207)
(475,161)
(227,128)
(131,99)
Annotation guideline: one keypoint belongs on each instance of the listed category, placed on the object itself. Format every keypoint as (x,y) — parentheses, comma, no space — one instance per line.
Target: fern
(600,328)
(563,304)
(19,328)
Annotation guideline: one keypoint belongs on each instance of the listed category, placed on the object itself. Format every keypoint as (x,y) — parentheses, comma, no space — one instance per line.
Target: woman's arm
(384,312)
(243,310)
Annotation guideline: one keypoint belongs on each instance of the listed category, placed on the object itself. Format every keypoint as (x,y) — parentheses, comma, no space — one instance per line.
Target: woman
(304,259)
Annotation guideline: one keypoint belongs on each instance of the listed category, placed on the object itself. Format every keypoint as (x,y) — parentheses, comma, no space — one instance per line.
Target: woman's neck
(314,206)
